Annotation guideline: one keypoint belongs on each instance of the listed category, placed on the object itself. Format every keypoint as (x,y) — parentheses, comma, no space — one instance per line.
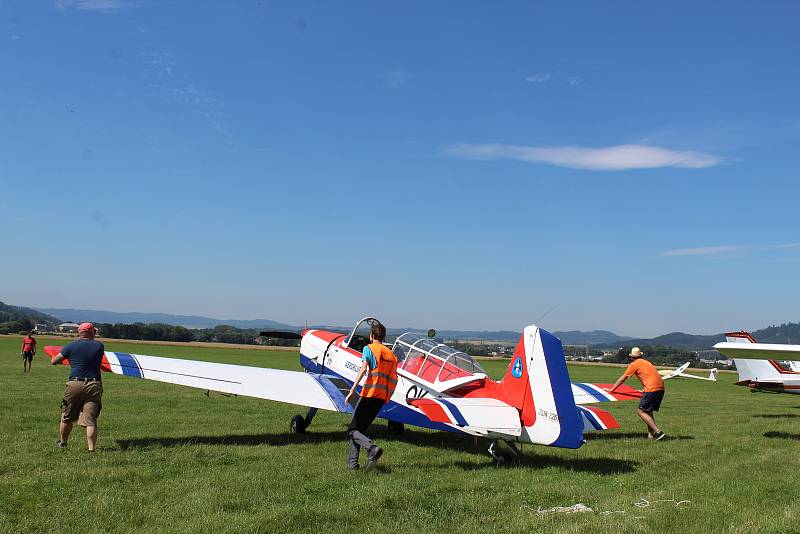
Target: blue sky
(625,166)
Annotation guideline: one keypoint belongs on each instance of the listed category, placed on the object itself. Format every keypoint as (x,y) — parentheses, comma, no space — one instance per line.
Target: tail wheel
(297,425)
(395,427)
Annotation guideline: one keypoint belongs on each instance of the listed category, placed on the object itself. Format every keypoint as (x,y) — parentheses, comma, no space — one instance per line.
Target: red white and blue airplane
(438,387)
(768,375)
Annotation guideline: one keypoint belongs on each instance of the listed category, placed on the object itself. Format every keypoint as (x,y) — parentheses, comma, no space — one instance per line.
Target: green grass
(172,460)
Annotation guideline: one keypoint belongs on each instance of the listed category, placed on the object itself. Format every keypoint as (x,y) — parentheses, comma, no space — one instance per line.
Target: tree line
(659,355)
(168,332)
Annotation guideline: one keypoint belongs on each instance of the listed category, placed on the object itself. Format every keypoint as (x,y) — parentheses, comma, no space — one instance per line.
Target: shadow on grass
(631,435)
(777,415)
(598,466)
(379,433)
(274,440)
(782,435)
(453,442)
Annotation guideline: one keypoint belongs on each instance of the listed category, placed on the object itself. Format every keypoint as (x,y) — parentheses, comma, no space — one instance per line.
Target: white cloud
(541,77)
(395,78)
(574,80)
(95,5)
(612,158)
(703,251)
(722,249)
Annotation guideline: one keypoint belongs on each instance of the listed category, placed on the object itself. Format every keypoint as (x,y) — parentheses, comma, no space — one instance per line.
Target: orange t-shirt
(646,373)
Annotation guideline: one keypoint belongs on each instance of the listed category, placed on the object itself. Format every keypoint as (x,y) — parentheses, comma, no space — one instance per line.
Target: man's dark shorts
(651,401)
(27,355)
(82,402)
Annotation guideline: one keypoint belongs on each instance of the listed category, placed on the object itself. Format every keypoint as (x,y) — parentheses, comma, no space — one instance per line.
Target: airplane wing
(586,393)
(293,387)
(759,351)
(474,415)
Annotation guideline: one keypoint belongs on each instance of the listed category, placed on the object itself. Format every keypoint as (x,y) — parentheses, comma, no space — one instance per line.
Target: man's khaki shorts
(82,402)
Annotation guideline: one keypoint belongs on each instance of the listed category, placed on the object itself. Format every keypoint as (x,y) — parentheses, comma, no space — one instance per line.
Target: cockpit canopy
(435,362)
(422,358)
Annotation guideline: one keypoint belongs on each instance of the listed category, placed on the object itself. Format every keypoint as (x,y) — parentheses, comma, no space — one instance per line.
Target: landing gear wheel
(297,425)
(395,427)
(502,457)
(503,452)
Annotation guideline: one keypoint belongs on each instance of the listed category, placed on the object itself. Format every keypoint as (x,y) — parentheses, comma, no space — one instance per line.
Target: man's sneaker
(372,459)
(658,436)
(61,445)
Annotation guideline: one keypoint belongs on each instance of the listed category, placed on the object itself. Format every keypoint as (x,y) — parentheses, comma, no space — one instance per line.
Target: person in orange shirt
(28,350)
(653,390)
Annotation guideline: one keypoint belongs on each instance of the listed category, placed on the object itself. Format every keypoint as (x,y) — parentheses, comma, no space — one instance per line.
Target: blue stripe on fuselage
(460,421)
(130,367)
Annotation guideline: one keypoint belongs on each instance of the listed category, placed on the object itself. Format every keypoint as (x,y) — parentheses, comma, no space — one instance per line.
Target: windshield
(432,361)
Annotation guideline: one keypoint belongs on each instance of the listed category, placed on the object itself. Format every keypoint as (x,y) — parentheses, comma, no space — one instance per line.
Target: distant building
(68,328)
(41,328)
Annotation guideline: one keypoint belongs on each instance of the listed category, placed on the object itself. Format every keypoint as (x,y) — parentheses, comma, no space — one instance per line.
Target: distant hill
(785,333)
(788,333)
(595,337)
(679,340)
(189,321)
(7,311)
(14,319)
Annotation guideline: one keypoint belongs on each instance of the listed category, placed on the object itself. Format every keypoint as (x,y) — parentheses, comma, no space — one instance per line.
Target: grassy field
(171,459)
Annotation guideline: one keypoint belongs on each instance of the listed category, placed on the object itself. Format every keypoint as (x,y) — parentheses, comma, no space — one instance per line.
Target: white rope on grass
(644,503)
(581,508)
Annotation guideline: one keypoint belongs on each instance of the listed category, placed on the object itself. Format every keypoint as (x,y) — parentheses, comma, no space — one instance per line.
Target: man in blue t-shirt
(84,391)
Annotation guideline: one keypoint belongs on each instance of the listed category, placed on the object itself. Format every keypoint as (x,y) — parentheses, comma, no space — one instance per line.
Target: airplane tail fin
(537,383)
(712,375)
(739,337)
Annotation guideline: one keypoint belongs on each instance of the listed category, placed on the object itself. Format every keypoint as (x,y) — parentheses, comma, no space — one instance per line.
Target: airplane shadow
(777,416)
(632,435)
(273,440)
(783,435)
(599,466)
(602,466)
(378,433)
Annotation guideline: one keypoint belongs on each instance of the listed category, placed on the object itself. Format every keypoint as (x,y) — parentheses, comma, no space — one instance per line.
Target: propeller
(279,334)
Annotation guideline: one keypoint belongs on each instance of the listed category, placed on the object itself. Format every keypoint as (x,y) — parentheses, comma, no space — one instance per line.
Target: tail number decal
(548,414)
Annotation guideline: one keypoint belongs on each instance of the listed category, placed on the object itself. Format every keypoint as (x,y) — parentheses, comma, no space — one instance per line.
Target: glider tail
(712,375)
(537,383)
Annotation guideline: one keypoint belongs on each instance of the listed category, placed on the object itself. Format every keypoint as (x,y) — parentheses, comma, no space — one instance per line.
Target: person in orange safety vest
(379,364)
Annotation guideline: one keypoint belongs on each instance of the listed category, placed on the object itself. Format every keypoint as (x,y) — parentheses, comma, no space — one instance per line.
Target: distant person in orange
(28,350)
(653,391)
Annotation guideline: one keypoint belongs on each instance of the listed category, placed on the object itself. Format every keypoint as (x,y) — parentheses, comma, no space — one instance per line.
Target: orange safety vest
(382,380)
